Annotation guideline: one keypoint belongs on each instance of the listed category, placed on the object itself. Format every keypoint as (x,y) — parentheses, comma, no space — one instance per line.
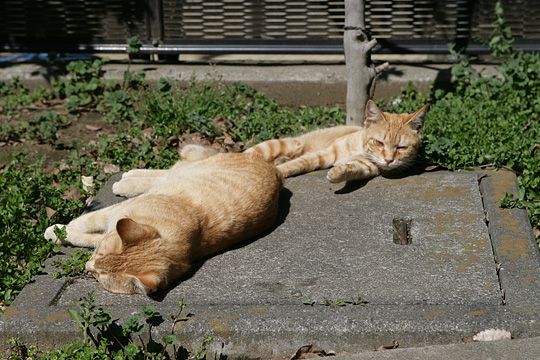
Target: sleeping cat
(386,142)
(193,210)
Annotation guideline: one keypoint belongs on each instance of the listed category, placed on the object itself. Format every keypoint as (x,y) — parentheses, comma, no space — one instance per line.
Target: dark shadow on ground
(351,186)
(392,70)
(284,207)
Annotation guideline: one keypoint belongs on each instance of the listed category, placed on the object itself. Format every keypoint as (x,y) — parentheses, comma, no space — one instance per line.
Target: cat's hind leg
(354,168)
(276,148)
(84,231)
(73,237)
(134,185)
(143,173)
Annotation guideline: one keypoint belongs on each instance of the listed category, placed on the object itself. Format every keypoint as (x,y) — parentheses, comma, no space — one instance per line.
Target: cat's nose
(388,161)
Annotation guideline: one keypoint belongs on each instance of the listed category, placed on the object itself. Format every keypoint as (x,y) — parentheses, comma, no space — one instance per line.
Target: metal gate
(256,26)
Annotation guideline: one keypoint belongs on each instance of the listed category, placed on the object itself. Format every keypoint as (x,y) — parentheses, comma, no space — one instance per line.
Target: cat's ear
(416,121)
(373,113)
(132,232)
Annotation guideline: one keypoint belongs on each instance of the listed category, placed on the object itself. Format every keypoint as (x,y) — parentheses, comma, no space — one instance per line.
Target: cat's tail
(276,148)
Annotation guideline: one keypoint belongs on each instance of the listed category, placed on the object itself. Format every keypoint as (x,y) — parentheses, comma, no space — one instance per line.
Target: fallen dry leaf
(310,351)
(492,335)
(50,212)
(221,123)
(136,141)
(227,138)
(87,183)
(434,168)
(63,166)
(536,232)
(394,345)
(93,127)
(111,169)
(72,194)
(147,133)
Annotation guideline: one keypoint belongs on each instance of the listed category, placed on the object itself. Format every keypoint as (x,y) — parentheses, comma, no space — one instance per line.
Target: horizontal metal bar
(385,46)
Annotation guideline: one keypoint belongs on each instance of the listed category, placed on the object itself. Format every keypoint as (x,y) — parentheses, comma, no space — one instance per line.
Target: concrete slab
(520,349)
(289,85)
(337,244)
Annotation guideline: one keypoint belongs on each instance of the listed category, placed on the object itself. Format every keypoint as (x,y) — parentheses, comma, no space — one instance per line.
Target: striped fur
(195,209)
(386,142)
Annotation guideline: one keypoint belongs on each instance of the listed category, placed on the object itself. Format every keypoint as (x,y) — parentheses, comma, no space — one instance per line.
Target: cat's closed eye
(377,142)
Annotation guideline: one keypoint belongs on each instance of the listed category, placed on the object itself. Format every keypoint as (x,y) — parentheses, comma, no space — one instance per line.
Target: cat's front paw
(337,174)
(117,188)
(51,231)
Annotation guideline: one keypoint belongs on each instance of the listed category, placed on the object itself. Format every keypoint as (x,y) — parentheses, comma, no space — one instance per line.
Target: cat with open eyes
(386,142)
(203,205)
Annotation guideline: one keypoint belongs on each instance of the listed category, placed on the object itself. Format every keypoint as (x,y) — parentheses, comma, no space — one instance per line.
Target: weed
(306,300)
(72,265)
(82,86)
(106,338)
(26,193)
(14,95)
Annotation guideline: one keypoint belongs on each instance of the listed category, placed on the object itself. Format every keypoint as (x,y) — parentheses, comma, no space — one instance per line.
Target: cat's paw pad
(336,174)
(50,233)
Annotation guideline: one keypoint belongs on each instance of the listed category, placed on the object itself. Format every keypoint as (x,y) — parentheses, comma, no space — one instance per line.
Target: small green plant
(133,79)
(134,45)
(107,338)
(26,194)
(72,265)
(43,129)
(82,86)
(501,40)
(14,95)
(306,300)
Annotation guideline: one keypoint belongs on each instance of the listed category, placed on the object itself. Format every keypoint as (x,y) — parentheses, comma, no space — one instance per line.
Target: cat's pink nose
(388,161)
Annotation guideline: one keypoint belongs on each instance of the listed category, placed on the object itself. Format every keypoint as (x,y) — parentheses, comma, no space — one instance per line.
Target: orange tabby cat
(195,209)
(386,142)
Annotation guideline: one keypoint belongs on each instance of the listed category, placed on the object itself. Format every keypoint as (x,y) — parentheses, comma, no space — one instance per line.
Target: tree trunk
(361,73)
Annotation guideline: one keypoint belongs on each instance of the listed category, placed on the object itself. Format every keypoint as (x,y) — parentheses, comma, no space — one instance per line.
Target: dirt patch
(78,131)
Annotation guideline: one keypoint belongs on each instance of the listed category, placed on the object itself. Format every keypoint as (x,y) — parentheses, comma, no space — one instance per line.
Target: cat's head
(126,261)
(392,140)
